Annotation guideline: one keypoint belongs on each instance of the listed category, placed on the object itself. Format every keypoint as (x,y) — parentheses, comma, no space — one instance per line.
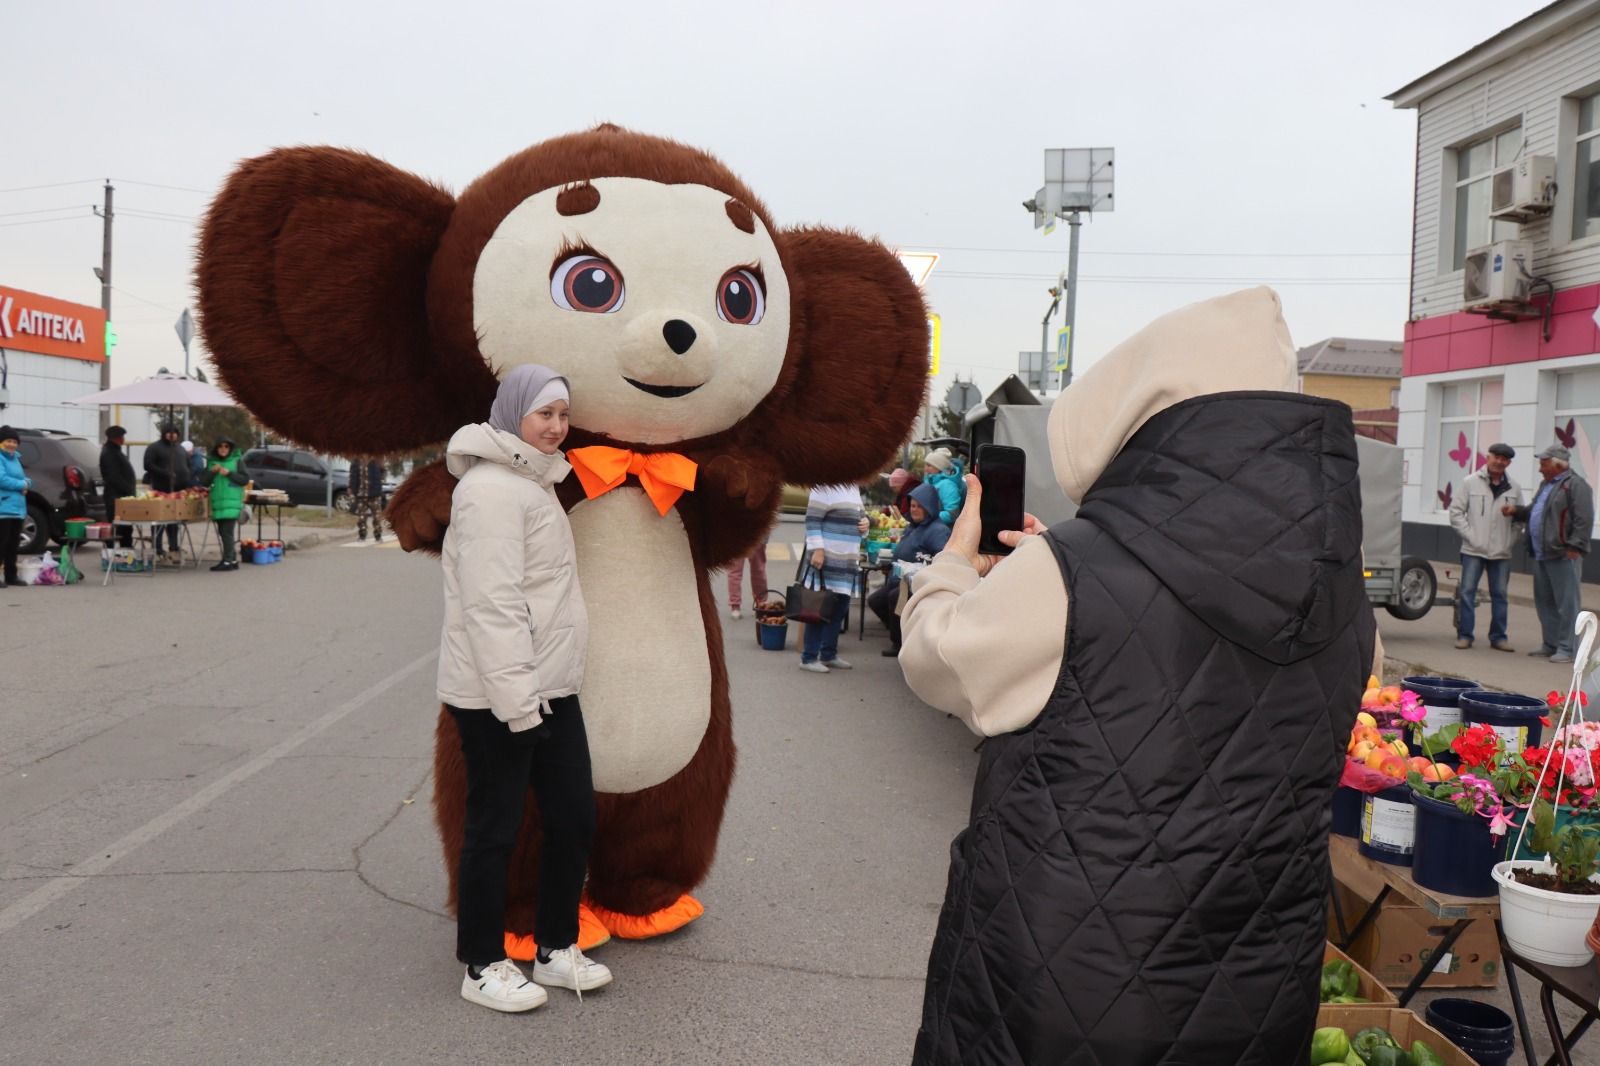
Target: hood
(482,443)
(1247,508)
(928,496)
(1231,343)
(233,447)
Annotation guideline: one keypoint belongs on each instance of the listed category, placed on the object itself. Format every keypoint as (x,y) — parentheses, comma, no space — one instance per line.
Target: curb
(313,540)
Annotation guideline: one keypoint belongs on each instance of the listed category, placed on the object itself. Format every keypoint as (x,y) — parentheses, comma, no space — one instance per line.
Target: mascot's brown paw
(591,934)
(672,917)
(420,511)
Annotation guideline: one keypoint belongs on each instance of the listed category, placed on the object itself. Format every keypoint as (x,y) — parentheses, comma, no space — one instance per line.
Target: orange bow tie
(664,476)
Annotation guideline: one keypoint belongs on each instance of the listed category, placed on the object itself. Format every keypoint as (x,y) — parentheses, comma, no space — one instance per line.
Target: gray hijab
(518,394)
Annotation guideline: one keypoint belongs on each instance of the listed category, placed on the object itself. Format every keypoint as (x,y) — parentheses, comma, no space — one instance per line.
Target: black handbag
(813,606)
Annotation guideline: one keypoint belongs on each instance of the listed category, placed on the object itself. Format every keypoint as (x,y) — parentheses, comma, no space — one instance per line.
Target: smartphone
(1000,471)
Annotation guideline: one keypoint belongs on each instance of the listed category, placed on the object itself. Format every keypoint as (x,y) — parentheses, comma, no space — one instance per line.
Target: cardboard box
(194,508)
(1403,1025)
(148,509)
(1370,988)
(1403,935)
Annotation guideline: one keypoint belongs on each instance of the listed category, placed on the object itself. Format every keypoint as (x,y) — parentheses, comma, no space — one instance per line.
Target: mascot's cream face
(668,320)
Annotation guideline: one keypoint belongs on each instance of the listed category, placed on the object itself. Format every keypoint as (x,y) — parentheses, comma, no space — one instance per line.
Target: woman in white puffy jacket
(510,664)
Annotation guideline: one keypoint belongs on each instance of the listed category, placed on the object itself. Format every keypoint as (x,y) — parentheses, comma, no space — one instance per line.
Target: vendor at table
(226,476)
(166,469)
(922,540)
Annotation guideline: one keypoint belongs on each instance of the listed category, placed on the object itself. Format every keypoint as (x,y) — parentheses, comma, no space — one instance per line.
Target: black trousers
(501,766)
(172,536)
(124,533)
(225,530)
(882,602)
(10,540)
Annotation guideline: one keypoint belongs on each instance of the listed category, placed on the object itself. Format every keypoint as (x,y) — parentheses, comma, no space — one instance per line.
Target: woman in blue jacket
(922,540)
(945,473)
(13,503)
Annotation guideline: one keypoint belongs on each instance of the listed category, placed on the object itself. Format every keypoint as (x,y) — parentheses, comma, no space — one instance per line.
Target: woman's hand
(818,557)
(862,526)
(968,530)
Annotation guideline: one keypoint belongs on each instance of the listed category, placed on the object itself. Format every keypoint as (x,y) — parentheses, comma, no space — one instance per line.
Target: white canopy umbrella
(163,390)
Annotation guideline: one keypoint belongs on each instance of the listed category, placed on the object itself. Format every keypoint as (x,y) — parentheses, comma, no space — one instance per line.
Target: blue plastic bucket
(1441,696)
(262,556)
(1454,852)
(1482,1030)
(1388,826)
(772,638)
(277,552)
(1514,717)
(1346,811)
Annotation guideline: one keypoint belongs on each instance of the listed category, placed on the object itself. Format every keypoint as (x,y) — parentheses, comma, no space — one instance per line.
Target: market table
(259,501)
(1579,985)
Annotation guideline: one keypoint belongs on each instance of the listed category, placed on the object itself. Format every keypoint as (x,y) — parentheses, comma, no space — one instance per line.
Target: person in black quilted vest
(1167,682)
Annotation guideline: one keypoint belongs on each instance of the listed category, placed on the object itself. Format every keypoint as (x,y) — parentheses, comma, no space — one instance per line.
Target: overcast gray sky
(1253,141)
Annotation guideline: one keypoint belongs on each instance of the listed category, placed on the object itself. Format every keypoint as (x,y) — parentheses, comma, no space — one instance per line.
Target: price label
(1439,717)
(1387,824)
(1515,737)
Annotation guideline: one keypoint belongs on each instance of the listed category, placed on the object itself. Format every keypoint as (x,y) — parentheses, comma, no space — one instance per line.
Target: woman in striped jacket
(834,525)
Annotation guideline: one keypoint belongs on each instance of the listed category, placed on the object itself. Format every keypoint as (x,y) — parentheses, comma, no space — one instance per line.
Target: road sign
(962,397)
(1079,179)
(1036,372)
(185,328)
(1063,346)
(934,330)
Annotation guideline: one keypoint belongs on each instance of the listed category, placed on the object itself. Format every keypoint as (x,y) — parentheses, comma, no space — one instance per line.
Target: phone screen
(1001,472)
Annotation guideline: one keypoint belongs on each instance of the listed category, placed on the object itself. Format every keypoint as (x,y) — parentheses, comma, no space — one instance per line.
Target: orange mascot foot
(672,917)
(591,934)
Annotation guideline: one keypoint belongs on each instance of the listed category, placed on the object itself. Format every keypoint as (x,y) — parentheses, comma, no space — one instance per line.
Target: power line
(42,221)
(1185,255)
(157,185)
(957,275)
(47,210)
(141,299)
(154,213)
(52,185)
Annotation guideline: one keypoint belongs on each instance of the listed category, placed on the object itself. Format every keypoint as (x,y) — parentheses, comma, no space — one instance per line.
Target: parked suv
(65,470)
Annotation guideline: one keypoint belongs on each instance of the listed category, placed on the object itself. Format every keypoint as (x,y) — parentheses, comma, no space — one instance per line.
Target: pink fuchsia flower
(1499,823)
(1411,708)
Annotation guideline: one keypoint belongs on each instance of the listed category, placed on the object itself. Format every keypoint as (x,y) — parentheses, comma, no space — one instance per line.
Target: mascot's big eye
(739,298)
(587,283)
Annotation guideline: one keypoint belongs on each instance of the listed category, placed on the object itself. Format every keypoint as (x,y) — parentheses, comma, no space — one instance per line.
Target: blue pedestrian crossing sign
(1063,347)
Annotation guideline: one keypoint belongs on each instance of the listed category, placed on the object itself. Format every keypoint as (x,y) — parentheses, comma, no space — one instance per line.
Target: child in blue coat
(944,472)
(13,503)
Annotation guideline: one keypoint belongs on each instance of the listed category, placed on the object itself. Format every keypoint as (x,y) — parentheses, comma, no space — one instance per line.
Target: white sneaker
(815,668)
(571,968)
(736,613)
(837,664)
(502,986)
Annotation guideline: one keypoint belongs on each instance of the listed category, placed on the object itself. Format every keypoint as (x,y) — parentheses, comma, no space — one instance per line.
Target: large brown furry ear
(312,276)
(858,359)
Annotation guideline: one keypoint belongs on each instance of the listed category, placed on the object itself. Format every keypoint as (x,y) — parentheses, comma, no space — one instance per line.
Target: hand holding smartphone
(1001,471)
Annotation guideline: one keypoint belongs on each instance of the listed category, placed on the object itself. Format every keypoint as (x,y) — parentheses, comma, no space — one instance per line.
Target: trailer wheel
(1416,587)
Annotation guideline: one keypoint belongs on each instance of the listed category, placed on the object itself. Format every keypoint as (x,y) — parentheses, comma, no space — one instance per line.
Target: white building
(1502,342)
(50,352)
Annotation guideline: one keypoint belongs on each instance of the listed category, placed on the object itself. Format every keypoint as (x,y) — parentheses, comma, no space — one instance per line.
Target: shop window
(1469,421)
(1577,419)
(1586,189)
(1475,165)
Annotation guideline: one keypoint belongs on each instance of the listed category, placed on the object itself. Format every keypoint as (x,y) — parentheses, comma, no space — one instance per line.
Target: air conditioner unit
(1524,190)
(1496,276)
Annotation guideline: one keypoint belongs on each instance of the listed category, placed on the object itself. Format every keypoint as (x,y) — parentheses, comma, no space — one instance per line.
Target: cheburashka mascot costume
(712,357)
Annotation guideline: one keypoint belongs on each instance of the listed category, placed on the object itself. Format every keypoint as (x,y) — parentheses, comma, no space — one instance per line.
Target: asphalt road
(216,841)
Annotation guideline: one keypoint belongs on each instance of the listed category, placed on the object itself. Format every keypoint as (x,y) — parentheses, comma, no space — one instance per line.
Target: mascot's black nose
(679,334)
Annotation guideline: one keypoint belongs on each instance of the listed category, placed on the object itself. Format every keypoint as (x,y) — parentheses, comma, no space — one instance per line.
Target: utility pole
(1072,297)
(103,272)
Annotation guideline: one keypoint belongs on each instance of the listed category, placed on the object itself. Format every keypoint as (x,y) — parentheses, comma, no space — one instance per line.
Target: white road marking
(50,891)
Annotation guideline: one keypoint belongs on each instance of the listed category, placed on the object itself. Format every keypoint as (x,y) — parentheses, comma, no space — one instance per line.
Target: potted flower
(1461,819)
(1547,906)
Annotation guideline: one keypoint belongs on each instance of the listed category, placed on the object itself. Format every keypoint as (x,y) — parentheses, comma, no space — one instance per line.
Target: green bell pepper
(1329,1044)
(1371,1039)
(1390,1056)
(1423,1055)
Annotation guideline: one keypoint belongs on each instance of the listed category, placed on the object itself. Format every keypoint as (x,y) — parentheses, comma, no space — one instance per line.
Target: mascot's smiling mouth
(668,391)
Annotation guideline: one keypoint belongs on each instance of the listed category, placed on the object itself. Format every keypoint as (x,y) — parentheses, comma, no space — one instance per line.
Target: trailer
(1404,585)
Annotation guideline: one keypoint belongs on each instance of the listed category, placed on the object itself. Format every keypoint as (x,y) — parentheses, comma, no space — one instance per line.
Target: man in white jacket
(1486,538)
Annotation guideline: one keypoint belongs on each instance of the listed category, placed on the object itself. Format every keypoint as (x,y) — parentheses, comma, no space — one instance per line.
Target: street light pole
(1072,297)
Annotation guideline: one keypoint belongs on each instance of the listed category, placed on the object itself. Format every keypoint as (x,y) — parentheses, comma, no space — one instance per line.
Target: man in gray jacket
(1560,523)
(1486,533)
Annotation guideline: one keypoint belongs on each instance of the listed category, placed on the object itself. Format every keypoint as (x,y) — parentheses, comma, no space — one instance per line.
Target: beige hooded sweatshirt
(989,651)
